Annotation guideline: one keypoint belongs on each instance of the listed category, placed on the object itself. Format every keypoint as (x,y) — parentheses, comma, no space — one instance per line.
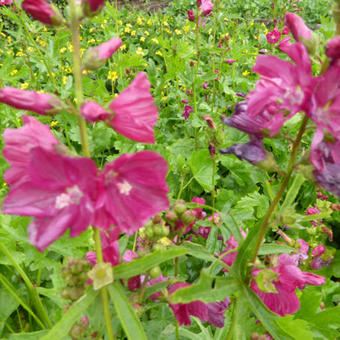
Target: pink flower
(6,2)
(325,111)
(273,36)
(43,11)
(182,311)
(59,194)
(284,44)
(41,103)
(206,7)
(288,278)
(298,28)
(231,243)
(284,88)
(285,30)
(319,250)
(96,57)
(110,248)
(230,61)
(134,111)
(199,213)
(187,110)
(93,112)
(20,142)
(333,48)
(131,189)
(191,15)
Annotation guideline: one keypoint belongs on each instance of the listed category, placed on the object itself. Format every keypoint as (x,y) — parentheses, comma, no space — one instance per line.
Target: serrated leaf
(273,248)
(198,251)
(296,328)
(127,316)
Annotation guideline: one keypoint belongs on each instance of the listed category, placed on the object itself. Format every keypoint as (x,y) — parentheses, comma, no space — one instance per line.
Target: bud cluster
(180,214)
(79,329)
(155,229)
(75,276)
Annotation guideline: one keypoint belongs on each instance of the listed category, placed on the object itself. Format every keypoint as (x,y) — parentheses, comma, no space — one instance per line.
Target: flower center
(71,196)
(124,187)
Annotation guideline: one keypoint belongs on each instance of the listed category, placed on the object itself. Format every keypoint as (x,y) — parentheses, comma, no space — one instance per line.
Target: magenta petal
(132,189)
(198,309)
(135,112)
(109,47)
(93,112)
(181,314)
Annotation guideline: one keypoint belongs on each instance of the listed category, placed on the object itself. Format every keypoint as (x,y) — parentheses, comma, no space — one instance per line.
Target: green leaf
(237,330)
(293,191)
(8,305)
(205,290)
(273,248)
(297,328)
(139,266)
(127,316)
(201,166)
(33,336)
(73,314)
(198,251)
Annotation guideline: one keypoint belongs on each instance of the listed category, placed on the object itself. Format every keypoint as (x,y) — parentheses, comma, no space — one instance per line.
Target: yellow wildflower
(123,47)
(142,39)
(63,50)
(186,29)
(146,33)
(154,40)
(133,33)
(112,75)
(65,79)
(127,29)
(149,22)
(140,51)
(178,32)
(159,53)
(54,123)
(245,73)
(139,21)
(24,86)
(14,72)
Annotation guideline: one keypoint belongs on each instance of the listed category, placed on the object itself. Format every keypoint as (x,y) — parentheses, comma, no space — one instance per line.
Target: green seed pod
(155,272)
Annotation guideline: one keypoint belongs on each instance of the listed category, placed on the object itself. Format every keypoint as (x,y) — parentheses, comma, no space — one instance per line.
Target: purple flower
(273,36)
(216,312)
(252,151)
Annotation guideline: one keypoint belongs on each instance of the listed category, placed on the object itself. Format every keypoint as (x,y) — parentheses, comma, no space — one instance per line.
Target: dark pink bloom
(302,255)
(59,194)
(273,36)
(298,27)
(284,88)
(41,103)
(199,213)
(131,190)
(285,30)
(253,151)
(110,248)
(135,281)
(191,15)
(20,142)
(185,101)
(205,85)
(93,112)
(333,48)
(187,110)
(134,111)
(206,7)
(96,57)
(289,277)
(182,311)
(230,61)
(43,11)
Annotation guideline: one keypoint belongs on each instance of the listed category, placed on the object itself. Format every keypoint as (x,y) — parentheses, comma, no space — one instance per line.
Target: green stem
(74,25)
(35,45)
(266,218)
(213,192)
(177,330)
(39,307)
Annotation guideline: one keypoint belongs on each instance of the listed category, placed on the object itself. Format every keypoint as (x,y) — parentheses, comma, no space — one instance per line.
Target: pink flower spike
(41,103)
(43,11)
(298,27)
(206,7)
(96,57)
(93,112)
(135,112)
(191,15)
(18,144)
(59,194)
(182,311)
(131,190)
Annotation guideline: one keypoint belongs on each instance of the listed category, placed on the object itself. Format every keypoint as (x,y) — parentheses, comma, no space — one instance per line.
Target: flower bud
(93,112)
(191,15)
(333,48)
(180,207)
(41,103)
(96,57)
(43,11)
(92,7)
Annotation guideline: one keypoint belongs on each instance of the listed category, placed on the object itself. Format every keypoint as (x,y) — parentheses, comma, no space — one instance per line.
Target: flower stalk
(74,26)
